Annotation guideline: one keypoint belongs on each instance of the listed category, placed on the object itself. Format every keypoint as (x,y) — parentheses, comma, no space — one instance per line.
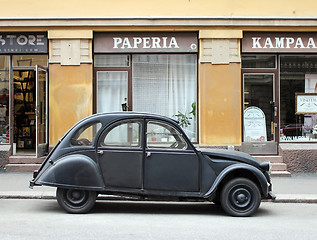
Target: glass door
(41,111)
(112,91)
(260,114)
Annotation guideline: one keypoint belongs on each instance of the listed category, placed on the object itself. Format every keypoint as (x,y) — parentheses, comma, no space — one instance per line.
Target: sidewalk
(299,188)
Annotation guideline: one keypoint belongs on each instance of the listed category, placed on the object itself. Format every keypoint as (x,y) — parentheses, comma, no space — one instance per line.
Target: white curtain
(166,85)
(112,90)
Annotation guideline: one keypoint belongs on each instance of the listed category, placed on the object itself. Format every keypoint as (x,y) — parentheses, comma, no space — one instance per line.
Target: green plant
(184,118)
(193,109)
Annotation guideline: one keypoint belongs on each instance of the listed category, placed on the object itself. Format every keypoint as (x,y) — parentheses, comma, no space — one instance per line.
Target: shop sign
(145,42)
(23,43)
(254,125)
(279,42)
(306,103)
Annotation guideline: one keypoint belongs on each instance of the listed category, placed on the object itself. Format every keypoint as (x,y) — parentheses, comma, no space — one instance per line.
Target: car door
(170,162)
(121,155)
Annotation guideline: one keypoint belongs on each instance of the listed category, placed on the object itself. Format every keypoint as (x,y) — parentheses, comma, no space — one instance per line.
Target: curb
(280,198)
(296,198)
(27,195)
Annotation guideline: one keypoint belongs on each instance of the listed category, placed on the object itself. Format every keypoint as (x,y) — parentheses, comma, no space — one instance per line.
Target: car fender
(236,167)
(73,171)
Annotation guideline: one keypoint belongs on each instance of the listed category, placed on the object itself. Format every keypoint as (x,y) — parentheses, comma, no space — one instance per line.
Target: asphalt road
(43,219)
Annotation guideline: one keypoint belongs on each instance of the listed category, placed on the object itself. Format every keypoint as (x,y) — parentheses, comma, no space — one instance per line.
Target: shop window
(258,61)
(4,99)
(298,74)
(112,61)
(167,85)
(161,84)
(29,60)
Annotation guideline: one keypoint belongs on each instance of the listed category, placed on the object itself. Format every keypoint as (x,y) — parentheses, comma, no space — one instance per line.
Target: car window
(162,135)
(85,135)
(126,134)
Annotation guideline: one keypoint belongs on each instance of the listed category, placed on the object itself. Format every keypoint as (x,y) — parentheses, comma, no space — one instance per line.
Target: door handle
(100,152)
(148,154)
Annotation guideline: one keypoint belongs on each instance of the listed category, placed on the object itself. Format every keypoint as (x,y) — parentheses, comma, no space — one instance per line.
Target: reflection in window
(123,135)
(85,136)
(161,135)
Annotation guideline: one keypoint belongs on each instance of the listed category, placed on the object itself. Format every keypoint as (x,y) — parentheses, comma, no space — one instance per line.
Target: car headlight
(266,166)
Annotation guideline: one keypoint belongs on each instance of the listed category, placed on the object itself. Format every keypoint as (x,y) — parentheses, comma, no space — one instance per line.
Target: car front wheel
(75,201)
(240,197)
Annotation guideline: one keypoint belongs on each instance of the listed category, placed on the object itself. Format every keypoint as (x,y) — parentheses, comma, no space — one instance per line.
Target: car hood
(232,156)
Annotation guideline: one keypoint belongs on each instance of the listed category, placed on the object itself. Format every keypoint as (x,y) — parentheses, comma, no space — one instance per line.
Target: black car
(148,156)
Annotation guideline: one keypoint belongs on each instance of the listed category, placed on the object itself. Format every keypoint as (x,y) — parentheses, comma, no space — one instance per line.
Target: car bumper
(271,195)
(32,182)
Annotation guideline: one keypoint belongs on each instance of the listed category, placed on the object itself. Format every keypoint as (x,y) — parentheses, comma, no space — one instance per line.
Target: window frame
(177,131)
(108,129)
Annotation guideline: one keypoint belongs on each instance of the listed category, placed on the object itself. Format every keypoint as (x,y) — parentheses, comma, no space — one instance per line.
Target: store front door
(260,115)
(41,111)
(30,111)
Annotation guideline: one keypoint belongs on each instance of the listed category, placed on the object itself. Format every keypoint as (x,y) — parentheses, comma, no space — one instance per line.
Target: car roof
(108,117)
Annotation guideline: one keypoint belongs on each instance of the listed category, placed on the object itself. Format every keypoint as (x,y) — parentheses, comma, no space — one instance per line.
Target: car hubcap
(240,197)
(76,197)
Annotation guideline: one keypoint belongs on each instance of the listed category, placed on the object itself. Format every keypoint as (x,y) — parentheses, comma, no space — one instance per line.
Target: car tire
(76,201)
(240,197)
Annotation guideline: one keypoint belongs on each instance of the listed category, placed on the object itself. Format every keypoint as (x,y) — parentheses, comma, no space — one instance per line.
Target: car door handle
(148,154)
(100,152)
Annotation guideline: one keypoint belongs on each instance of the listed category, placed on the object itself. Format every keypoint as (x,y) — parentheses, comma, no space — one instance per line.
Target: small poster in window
(254,125)
(28,143)
(306,103)
(20,144)
(26,132)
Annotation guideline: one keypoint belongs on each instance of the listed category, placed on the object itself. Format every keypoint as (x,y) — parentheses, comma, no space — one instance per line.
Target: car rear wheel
(75,201)
(240,197)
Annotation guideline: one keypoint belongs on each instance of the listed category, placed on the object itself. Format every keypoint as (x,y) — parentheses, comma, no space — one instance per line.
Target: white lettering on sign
(282,42)
(22,40)
(144,42)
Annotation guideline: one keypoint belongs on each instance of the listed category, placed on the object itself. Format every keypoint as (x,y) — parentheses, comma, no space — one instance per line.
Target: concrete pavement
(299,188)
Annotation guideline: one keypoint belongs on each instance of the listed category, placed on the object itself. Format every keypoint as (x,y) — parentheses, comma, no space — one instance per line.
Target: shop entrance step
(21,163)
(279,168)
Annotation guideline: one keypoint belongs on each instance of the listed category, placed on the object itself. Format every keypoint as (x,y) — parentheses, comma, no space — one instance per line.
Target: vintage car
(149,157)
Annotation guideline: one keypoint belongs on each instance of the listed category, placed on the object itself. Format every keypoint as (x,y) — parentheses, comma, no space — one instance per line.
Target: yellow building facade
(244,66)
